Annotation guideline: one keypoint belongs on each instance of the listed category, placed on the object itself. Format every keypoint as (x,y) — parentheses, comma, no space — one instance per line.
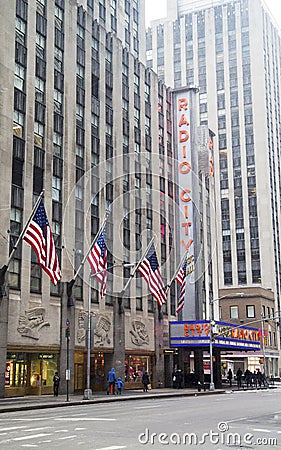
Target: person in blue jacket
(120,385)
(111,378)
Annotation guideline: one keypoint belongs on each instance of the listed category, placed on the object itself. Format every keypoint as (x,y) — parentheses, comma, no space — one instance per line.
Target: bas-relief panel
(34,325)
(102,328)
(139,333)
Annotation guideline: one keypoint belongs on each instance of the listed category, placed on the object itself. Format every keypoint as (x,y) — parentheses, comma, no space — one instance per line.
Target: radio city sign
(197,333)
(184,168)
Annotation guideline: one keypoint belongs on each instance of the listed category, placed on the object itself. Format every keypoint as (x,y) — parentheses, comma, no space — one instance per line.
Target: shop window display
(135,366)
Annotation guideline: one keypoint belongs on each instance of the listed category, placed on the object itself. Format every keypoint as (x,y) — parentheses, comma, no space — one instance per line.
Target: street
(238,420)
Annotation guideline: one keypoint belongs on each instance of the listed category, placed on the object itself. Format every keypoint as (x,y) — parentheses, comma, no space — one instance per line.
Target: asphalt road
(239,420)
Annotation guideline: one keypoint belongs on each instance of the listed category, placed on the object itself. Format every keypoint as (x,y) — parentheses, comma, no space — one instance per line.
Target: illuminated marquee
(197,333)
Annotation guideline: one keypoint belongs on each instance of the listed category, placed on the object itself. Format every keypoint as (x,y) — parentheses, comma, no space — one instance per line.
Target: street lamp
(212,323)
(88,390)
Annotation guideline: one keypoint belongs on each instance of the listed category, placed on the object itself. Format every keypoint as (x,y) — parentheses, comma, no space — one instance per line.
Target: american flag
(181,279)
(150,271)
(98,261)
(39,235)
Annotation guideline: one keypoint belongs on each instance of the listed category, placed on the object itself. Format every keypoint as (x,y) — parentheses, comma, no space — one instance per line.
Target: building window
(250,310)
(14,273)
(234,312)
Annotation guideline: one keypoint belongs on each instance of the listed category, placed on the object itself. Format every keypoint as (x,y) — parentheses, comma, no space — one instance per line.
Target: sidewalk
(49,401)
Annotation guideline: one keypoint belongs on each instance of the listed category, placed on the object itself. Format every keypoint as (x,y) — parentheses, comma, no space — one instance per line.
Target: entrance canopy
(225,335)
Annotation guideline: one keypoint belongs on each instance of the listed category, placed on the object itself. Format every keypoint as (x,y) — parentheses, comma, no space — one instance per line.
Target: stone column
(118,356)
(198,365)
(67,313)
(159,380)
(4,314)
(217,368)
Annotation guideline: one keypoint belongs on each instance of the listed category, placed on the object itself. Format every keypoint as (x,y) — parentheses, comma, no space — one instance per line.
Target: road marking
(236,420)
(11,428)
(28,418)
(29,445)
(111,448)
(145,407)
(38,429)
(68,437)
(79,429)
(33,436)
(78,419)
(261,430)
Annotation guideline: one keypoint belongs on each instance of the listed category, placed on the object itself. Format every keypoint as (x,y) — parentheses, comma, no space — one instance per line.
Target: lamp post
(263,346)
(212,323)
(88,390)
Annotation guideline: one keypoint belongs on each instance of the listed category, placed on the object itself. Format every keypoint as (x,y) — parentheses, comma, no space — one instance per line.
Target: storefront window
(16,369)
(135,366)
(30,369)
(99,375)
(48,368)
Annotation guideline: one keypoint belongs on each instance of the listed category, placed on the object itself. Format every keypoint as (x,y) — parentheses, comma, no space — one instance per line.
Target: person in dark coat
(230,376)
(248,378)
(239,378)
(56,381)
(145,381)
(179,378)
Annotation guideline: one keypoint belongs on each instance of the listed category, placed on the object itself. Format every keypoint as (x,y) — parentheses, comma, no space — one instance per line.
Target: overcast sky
(156,9)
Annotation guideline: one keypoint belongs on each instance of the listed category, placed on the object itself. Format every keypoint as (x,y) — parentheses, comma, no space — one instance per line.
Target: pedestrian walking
(120,385)
(239,378)
(145,381)
(229,377)
(179,378)
(111,379)
(248,378)
(56,381)
(260,378)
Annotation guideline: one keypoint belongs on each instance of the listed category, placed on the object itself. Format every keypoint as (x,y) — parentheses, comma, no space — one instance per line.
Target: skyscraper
(231,51)
(80,118)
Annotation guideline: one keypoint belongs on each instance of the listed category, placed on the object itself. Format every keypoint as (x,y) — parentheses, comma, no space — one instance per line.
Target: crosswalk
(54,435)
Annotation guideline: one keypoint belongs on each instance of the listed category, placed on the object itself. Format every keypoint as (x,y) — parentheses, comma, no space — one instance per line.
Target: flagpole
(24,229)
(176,272)
(91,246)
(136,268)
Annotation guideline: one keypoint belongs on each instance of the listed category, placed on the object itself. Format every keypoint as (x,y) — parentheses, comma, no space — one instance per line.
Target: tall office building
(231,51)
(80,118)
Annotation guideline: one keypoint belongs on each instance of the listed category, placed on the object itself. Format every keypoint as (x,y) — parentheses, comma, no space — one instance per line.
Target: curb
(34,406)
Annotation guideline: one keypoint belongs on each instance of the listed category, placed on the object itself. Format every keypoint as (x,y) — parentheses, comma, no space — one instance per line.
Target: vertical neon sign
(183,131)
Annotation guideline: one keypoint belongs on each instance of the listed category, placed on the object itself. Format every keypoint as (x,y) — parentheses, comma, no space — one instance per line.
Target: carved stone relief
(82,326)
(31,322)
(139,335)
(101,331)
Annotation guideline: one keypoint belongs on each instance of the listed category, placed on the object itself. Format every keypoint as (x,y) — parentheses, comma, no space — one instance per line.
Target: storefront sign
(197,333)
(45,356)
